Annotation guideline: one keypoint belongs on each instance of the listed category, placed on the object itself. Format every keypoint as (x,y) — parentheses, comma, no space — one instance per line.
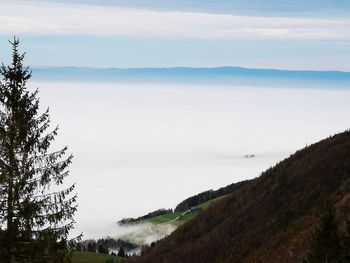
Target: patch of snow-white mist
(143,233)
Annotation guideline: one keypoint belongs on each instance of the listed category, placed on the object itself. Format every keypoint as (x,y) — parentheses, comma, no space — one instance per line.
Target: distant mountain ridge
(230,75)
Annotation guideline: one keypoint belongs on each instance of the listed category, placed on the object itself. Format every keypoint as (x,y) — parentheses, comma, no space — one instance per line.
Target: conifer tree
(327,242)
(121,252)
(35,219)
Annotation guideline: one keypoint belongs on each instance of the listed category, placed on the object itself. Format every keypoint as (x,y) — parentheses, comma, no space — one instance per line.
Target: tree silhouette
(34,219)
(327,242)
(121,252)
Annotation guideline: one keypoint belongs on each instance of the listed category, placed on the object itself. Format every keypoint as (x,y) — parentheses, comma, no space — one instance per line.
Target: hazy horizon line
(38,67)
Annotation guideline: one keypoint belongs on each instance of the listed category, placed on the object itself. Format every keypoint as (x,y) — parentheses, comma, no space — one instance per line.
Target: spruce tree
(327,242)
(35,219)
(121,252)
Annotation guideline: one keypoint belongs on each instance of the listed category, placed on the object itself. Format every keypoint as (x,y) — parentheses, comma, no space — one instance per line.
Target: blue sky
(228,6)
(296,34)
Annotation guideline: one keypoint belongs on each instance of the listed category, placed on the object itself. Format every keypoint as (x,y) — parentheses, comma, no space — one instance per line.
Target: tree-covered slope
(270,218)
(206,196)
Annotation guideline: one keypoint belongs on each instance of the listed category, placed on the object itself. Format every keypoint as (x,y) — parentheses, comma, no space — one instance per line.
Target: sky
(137,33)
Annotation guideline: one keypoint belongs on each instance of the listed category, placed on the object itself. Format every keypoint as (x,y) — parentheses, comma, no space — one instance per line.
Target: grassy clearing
(91,257)
(163,218)
(183,219)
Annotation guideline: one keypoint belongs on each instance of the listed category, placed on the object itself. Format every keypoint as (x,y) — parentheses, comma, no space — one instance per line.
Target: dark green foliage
(107,243)
(205,196)
(155,213)
(102,249)
(327,244)
(91,247)
(34,220)
(121,252)
(79,247)
(125,244)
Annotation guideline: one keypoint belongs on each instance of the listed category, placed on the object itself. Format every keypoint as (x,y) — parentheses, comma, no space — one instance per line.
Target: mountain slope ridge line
(269,219)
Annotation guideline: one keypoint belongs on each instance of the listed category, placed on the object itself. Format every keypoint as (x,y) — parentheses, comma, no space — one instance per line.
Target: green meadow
(91,257)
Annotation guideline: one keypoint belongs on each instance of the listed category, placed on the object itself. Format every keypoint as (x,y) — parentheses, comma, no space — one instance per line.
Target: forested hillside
(205,196)
(271,218)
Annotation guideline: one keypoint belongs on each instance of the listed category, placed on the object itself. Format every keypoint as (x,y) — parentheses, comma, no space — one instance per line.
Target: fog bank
(139,147)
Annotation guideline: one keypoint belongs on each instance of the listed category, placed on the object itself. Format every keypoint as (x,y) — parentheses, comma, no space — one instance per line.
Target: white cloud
(44,18)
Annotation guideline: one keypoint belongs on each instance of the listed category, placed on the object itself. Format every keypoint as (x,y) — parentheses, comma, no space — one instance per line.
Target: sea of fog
(139,147)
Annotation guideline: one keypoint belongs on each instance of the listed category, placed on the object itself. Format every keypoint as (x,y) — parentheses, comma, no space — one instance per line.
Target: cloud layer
(79,19)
